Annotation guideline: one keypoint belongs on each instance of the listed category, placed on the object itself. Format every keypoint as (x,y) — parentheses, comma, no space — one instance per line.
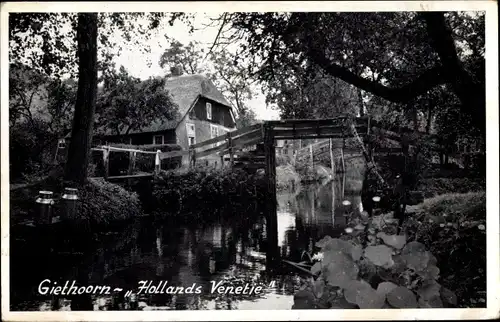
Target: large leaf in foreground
(379,255)
(396,241)
(340,270)
(448,296)
(402,298)
(429,289)
(353,289)
(368,298)
(385,288)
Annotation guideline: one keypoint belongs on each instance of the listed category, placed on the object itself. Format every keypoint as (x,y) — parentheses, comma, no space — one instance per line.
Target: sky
(134,61)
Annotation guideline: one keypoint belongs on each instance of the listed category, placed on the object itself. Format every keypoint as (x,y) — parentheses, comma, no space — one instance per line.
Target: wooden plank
(210,141)
(244,130)
(251,153)
(211,151)
(249,142)
(249,158)
(116,149)
(330,131)
(172,154)
(298,123)
(305,137)
(249,135)
(133,176)
(308,124)
(277,123)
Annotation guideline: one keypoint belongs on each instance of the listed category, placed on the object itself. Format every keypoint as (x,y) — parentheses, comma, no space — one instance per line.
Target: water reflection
(231,251)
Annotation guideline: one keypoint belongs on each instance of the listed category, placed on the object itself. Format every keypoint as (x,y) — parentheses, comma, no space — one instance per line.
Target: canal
(231,252)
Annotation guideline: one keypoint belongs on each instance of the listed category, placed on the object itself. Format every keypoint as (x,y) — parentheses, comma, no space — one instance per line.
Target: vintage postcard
(240,160)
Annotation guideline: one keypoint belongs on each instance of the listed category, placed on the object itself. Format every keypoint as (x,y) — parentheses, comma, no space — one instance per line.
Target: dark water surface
(190,254)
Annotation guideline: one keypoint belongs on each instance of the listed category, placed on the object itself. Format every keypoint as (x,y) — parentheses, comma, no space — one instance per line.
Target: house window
(191,133)
(61,144)
(209,111)
(158,139)
(190,129)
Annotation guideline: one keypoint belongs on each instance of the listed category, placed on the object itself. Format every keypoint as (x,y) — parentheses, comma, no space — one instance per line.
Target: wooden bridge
(256,145)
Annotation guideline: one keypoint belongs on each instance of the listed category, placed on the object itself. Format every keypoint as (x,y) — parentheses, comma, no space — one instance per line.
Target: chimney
(176,70)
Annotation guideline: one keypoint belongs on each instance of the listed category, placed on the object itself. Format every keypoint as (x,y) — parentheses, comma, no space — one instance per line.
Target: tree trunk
(429,120)
(470,93)
(83,119)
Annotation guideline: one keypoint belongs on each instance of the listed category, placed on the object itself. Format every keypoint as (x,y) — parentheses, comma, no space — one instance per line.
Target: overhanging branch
(423,83)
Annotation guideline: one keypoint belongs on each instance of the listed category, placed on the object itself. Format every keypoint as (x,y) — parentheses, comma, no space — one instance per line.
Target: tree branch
(224,16)
(420,85)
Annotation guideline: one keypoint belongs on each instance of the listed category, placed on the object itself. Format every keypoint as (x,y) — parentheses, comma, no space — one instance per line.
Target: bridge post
(272,254)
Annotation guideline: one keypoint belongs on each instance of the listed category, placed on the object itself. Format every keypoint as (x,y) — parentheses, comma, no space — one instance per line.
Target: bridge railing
(231,142)
(107,149)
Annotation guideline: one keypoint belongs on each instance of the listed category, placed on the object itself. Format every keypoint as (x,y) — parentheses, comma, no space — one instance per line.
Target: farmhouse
(203,113)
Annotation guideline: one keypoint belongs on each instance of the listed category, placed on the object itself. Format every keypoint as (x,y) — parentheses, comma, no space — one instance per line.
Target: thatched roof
(184,91)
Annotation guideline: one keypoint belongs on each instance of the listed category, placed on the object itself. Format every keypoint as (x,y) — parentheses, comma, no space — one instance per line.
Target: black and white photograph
(209,158)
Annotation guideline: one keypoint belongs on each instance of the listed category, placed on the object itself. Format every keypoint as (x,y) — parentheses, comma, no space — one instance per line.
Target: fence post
(190,157)
(131,165)
(342,153)
(312,156)
(230,147)
(105,158)
(332,160)
(157,162)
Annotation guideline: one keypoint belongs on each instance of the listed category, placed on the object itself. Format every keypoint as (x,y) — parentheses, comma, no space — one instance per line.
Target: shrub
(102,202)
(453,227)
(437,186)
(30,149)
(206,190)
(283,160)
(287,178)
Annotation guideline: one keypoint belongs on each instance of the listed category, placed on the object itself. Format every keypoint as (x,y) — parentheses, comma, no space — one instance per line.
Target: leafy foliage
(204,190)
(189,56)
(374,273)
(103,202)
(221,67)
(35,40)
(371,51)
(47,43)
(127,103)
(458,222)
